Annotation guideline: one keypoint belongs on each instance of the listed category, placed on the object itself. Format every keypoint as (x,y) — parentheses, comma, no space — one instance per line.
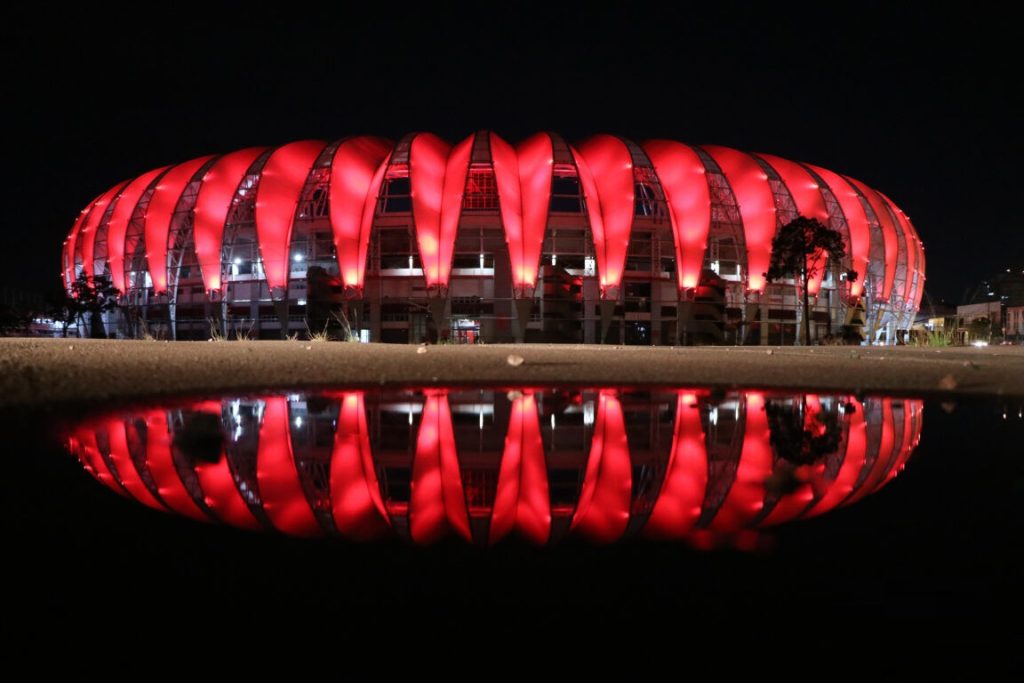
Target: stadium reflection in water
(539,463)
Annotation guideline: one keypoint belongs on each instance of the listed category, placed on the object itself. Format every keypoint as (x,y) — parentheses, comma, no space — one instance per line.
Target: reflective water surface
(542,464)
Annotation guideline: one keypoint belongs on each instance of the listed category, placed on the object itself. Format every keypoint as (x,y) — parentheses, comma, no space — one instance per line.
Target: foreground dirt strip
(35,372)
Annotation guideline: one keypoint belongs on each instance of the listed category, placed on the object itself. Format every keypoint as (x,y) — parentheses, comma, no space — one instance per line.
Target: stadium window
(565,190)
(481,189)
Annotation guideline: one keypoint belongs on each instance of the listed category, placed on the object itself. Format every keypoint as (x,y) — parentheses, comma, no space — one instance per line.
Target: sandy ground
(37,372)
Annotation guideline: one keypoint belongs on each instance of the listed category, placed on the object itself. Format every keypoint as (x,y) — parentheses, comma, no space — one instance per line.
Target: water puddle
(542,464)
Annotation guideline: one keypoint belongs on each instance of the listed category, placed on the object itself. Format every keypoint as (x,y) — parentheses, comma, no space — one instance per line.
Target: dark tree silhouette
(90,297)
(799,247)
(795,439)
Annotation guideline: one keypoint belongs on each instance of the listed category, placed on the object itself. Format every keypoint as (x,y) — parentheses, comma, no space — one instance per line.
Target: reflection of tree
(797,439)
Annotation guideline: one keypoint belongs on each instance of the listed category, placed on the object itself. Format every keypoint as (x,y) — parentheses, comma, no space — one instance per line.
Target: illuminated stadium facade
(607,241)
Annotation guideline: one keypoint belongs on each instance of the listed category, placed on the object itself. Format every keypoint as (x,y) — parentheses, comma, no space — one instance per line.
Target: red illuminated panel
(438,177)
(523,176)
(159,214)
(220,493)
(809,202)
(89,455)
(745,499)
(856,453)
(757,208)
(603,510)
(220,183)
(856,220)
(679,503)
(356,174)
(117,226)
(87,234)
(910,244)
(355,493)
(888,236)
(684,182)
(436,499)
(280,489)
(122,459)
(160,463)
(608,160)
(277,200)
(71,243)
(522,500)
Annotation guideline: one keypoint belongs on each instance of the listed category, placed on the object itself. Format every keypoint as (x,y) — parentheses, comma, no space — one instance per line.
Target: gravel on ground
(41,372)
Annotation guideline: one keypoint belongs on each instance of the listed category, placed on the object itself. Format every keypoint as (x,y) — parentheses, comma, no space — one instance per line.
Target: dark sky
(918,102)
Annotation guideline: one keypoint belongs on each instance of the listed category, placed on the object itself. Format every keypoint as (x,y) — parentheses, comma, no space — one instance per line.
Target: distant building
(967,329)
(935,317)
(1013,327)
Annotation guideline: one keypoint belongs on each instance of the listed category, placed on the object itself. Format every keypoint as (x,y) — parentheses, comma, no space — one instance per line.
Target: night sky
(919,103)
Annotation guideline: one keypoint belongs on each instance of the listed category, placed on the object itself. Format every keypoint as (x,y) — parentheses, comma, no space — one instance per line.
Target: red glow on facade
(159,214)
(87,235)
(610,166)
(889,238)
(218,189)
(684,181)
(277,200)
(117,226)
(523,176)
(856,220)
(757,207)
(437,174)
(357,171)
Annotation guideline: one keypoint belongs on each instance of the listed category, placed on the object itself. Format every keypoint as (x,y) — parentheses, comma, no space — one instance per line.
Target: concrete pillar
(523,308)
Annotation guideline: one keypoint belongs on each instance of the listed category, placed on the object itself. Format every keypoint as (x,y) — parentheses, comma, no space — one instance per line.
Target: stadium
(608,241)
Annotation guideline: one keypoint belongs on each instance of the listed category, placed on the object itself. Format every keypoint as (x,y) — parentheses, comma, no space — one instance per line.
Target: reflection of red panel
(912,409)
(356,175)
(160,463)
(856,451)
(217,192)
(159,214)
(220,493)
(678,506)
(277,200)
(523,177)
(889,238)
(746,496)
(522,500)
(757,208)
(684,182)
(89,455)
(280,488)
(355,493)
(603,509)
(87,235)
(437,174)
(791,505)
(856,220)
(117,226)
(437,498)
(609,160)
(809,202)
(122,459)
(888,453)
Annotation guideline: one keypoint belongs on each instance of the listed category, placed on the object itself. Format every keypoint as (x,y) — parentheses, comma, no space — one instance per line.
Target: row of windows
(482,195)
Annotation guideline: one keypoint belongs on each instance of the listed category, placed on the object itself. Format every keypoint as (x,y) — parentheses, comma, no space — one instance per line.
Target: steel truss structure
(608,241)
